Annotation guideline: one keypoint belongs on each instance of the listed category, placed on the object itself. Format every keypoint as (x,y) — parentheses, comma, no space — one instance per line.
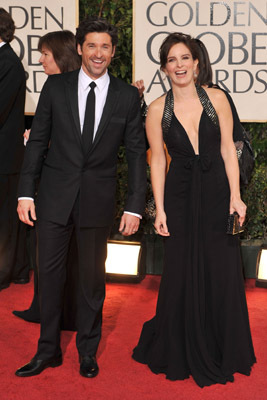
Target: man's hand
(26,134)
(140,86)
(129,224)
(26,210)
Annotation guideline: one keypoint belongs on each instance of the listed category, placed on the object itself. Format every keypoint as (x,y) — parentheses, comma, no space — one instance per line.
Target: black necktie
(89,119)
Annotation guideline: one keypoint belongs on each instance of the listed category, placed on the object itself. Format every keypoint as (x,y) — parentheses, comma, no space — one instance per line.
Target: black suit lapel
(72,96)
(112,98)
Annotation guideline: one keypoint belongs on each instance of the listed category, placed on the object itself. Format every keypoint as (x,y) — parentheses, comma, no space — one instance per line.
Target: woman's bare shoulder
(219,100)
(157,105)
(215,94)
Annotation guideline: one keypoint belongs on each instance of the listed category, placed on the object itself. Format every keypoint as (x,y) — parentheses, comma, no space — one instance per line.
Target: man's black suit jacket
(55,154)
(12,101)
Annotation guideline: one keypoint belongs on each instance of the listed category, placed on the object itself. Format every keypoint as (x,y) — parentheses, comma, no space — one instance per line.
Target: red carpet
(127,306)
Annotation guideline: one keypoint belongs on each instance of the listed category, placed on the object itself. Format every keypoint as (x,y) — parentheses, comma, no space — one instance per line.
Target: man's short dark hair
(7,26)
(96,24)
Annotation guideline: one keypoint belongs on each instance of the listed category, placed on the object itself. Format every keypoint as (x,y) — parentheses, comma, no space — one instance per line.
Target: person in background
(58,55)
(14,266)
(201,327)
(81,119)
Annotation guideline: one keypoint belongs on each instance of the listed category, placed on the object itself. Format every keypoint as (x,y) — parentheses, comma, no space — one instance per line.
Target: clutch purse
(233,225)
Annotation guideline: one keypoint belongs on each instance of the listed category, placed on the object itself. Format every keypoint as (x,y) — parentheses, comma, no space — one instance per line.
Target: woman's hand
(161,225)
(240,207)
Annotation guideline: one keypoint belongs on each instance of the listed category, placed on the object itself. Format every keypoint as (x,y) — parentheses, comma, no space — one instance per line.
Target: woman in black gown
(201,325)
(58,55)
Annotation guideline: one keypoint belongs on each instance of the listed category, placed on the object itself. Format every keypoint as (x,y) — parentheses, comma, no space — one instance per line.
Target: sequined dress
(201,326)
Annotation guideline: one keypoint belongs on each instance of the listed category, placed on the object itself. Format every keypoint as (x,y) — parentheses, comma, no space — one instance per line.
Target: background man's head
(7,26)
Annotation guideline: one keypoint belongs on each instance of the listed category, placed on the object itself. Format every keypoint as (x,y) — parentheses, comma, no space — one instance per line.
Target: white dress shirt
(101,91)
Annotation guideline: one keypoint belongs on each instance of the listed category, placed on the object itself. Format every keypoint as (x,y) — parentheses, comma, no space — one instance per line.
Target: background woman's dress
(201,326)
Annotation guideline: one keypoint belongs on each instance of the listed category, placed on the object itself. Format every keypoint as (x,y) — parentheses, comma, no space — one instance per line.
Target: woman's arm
(158,162)
(228,152)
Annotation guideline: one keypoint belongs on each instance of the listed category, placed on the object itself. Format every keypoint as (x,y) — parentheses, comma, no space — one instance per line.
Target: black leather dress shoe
(88,366)
(27,315)
(36,366)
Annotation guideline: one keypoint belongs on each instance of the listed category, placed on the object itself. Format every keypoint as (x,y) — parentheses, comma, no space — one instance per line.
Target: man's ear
(79,49)
(113,51)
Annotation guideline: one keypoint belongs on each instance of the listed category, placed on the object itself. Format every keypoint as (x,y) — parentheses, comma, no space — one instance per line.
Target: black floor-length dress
(201,326)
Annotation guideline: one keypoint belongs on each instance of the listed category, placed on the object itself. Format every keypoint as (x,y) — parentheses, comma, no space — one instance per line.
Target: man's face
(97,52)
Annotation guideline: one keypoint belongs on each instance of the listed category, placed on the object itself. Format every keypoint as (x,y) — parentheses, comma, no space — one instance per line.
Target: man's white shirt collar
(85,80)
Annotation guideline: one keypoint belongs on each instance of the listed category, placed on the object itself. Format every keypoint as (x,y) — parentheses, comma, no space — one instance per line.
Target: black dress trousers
(53,243)
(14,263)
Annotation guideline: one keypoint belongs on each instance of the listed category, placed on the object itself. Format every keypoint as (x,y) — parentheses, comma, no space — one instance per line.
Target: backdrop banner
(34,19)
(234,33)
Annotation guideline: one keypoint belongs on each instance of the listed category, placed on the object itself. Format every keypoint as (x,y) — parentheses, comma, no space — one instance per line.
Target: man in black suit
(13,262)
(81,119)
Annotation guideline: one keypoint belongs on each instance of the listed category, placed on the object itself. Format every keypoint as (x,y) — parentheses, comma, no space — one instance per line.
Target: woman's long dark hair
(204,67)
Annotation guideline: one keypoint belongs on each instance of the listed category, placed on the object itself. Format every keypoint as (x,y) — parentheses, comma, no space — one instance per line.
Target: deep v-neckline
(186,134)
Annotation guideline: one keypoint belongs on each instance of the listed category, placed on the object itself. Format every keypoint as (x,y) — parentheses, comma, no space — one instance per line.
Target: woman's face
(180,66)
(48,62)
